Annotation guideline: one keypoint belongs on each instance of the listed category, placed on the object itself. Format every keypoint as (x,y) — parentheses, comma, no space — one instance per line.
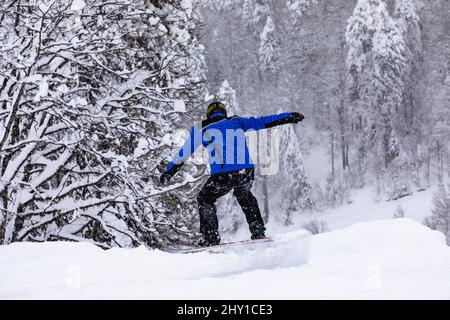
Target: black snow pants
(219,185)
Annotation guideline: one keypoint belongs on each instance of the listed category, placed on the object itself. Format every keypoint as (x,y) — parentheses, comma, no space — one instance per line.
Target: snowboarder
(230,163)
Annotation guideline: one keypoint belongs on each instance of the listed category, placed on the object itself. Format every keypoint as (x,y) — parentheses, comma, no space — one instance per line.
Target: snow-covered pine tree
(407,16)
(84,101)
(247,13)
(296,187)
(440,131)
(436,90)
(299,8)
(411,116)
(360,29)
(390,52)
(377,54)
(268,69)
(227,95)
(254,14)
(269,48)
(440,218)
(407,20)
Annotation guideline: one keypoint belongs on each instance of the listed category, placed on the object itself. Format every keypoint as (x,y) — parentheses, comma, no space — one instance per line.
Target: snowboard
(224,247)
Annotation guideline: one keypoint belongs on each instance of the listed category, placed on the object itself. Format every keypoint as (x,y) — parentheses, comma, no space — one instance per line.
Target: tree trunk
(332,157)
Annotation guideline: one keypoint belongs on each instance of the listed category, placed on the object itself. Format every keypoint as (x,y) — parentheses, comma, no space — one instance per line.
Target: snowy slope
(396,258)
(364,208)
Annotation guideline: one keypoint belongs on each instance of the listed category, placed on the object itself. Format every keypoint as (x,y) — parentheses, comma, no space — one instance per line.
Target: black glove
(165,178)
(294,117)
(297,117)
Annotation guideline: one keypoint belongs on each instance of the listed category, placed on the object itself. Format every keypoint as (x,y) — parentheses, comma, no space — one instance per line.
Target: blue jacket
(225,142)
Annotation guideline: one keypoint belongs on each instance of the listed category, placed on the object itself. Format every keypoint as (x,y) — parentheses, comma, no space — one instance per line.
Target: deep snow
(388,259)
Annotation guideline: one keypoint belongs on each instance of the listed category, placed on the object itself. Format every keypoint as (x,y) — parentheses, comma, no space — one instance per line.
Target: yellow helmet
(216,107)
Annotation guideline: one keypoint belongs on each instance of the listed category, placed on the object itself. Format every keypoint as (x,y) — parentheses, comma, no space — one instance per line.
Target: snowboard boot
(257,230)
(258,235)
(209,239)
(207,243)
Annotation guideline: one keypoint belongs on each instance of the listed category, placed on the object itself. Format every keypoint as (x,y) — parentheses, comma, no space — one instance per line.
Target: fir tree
(296,187)
(376,57)
(440,219)
(299,8)
(269,49)
(228,96)
(254,14)
(411,115)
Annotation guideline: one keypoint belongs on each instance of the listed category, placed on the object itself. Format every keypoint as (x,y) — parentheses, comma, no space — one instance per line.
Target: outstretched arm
(189,147)
(266,122)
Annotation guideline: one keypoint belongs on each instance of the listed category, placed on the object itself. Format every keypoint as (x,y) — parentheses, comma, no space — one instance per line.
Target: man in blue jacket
(230,163)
